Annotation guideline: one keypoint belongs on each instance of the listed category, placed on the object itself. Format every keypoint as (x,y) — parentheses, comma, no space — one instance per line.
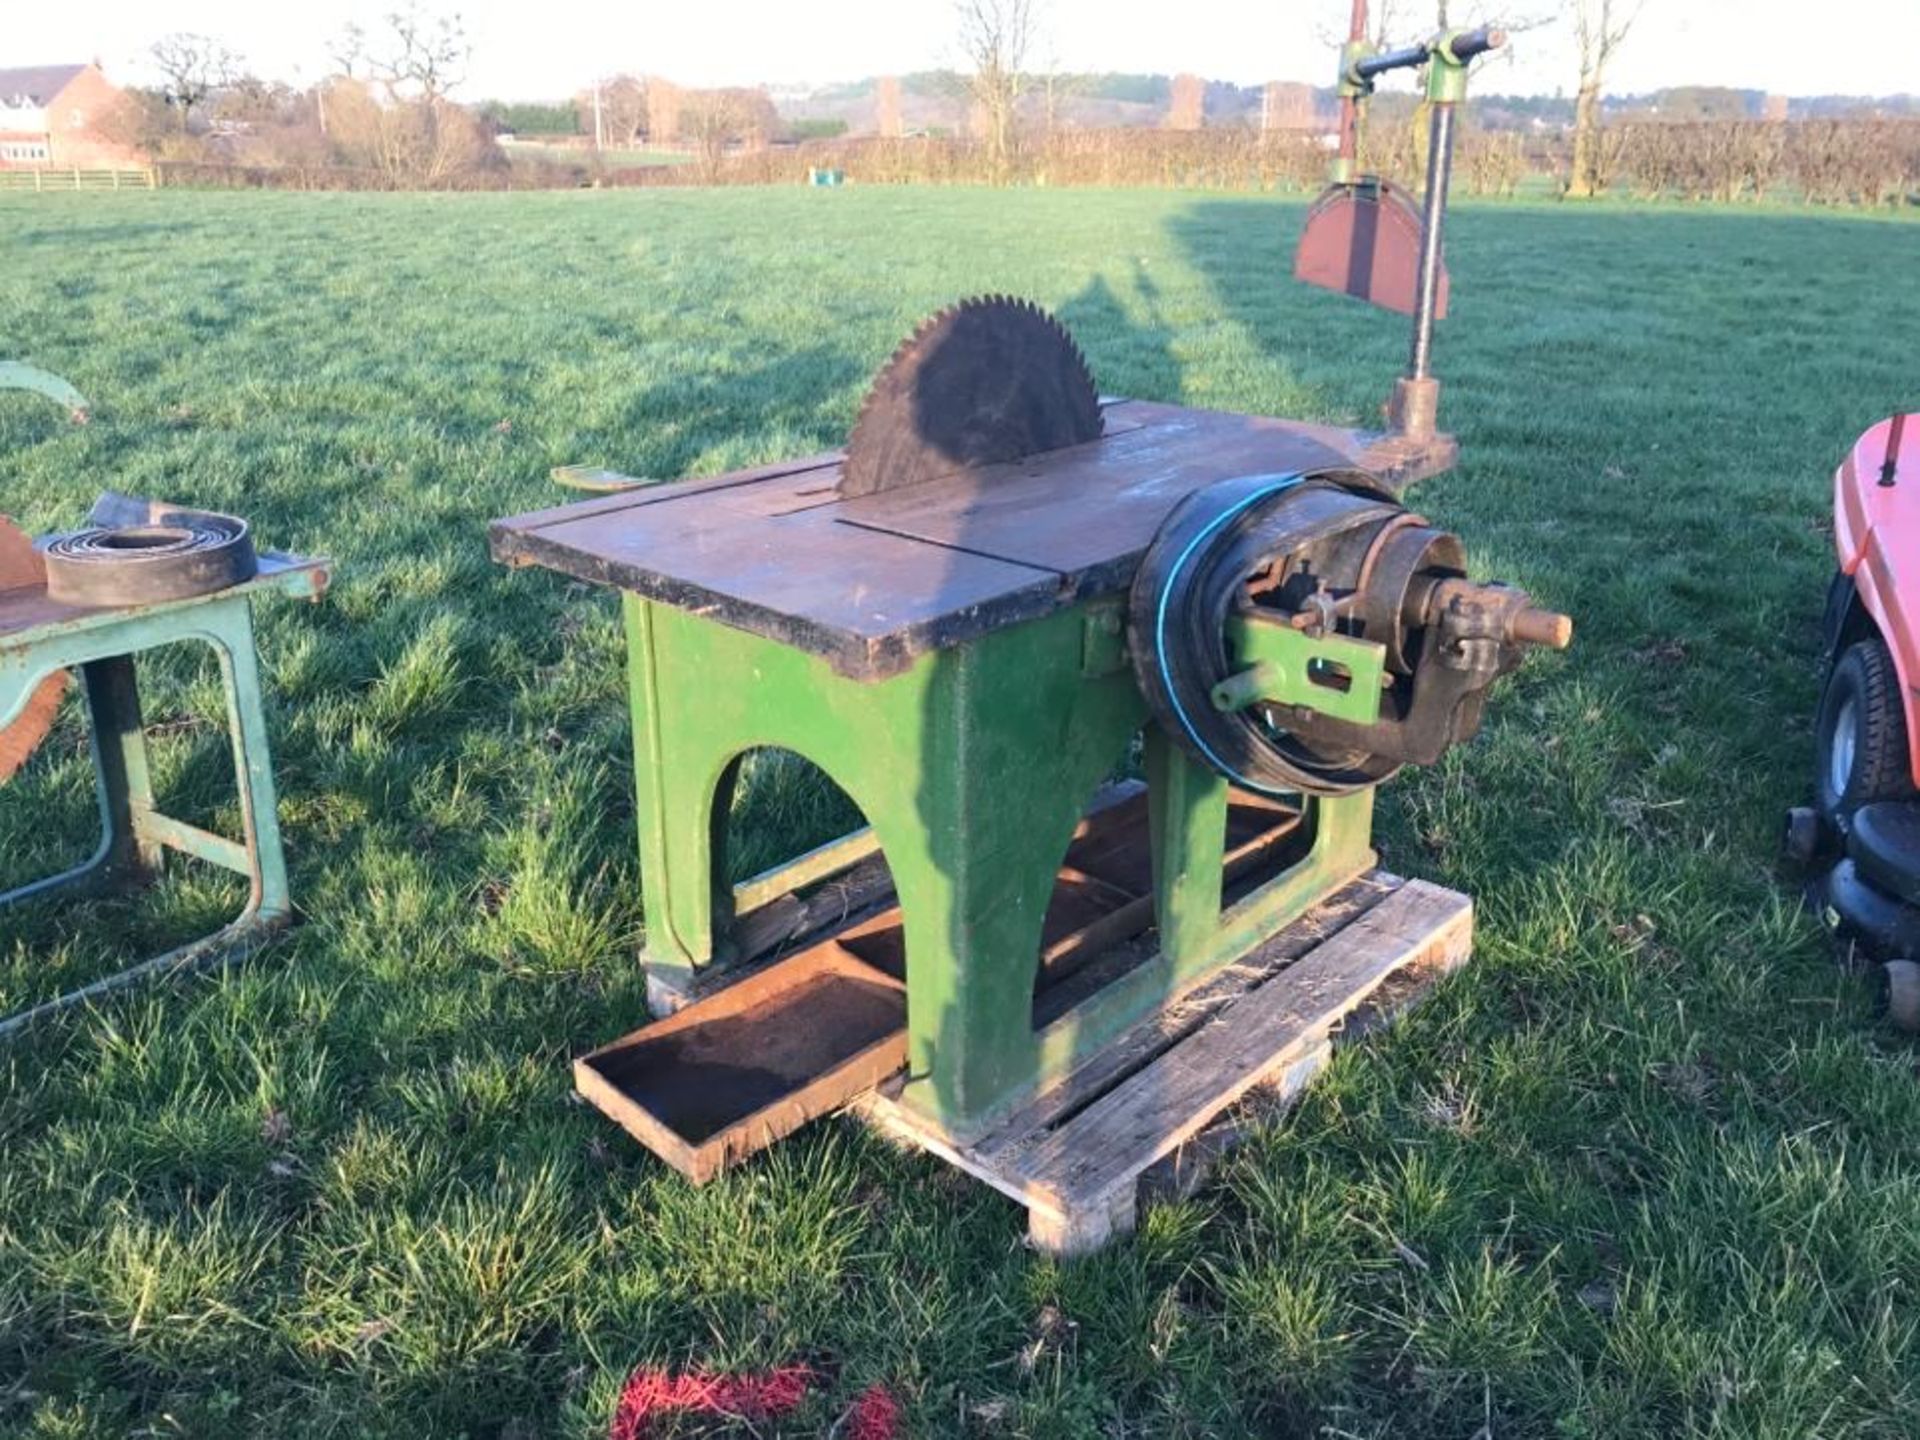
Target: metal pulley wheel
(141,552)
(1306,633)
(1193,576)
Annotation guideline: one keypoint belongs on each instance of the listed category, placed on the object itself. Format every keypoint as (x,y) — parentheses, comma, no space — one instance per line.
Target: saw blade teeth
(943,401)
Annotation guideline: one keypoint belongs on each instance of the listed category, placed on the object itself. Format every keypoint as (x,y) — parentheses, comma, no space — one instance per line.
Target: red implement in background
(1362,239)
(1362,235)
(1876,530)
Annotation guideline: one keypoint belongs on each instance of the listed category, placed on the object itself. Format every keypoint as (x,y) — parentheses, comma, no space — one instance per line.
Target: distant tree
(145,120)
(622,109)
(1187,106)
(886,106)
(663,110)
(1599,28)
(712,121)
(825,127)
(400,118)
(411,143)
(1706,102)
(994,38)
(1286,105)
(531,117)
(194,67)
(422,54)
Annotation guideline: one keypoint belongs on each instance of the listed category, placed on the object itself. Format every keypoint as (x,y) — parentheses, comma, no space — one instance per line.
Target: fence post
(36,179)
(76,177)
(116,179)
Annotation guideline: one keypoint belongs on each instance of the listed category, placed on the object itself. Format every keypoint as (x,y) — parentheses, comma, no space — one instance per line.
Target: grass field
(1649,1168)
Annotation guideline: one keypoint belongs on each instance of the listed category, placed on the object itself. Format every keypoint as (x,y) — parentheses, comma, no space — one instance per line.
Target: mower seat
(1884,841)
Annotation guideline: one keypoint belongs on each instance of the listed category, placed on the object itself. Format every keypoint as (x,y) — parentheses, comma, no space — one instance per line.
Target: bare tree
(194,67)
(622,107)
(400,119)
(423,55)
(994,38)
(1599,27)
(714,120)
(663,110)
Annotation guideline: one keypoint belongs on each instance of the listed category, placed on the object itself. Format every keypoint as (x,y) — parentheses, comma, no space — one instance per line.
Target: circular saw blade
(20,568)
(983,382)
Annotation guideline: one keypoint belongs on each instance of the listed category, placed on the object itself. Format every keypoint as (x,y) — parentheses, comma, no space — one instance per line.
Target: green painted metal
(1446,74)
(1350,85)
(102,645)
(1332,674)
(14,375)
(972,768)
(597,480)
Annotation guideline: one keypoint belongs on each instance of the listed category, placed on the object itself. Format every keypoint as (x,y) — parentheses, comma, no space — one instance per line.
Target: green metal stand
(102,644)
(972,767)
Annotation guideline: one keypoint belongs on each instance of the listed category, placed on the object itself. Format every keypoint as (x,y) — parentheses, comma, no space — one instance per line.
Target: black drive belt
(139,552)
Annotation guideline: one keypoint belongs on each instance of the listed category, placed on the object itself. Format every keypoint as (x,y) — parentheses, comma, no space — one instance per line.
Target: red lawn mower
(1863,831)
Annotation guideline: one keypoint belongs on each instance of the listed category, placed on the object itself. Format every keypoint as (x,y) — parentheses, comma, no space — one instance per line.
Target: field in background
(1649,1167)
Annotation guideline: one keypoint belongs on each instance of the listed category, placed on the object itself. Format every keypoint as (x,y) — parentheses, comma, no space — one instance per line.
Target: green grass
(1649,1167)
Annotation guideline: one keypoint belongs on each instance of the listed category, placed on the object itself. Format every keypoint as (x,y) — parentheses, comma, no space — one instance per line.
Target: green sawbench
(1049,973)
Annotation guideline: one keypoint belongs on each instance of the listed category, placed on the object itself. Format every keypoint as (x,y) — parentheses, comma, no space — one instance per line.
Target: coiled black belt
(140,552)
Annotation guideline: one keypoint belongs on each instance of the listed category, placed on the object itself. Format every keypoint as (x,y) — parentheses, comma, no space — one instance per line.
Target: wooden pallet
(1140,1113)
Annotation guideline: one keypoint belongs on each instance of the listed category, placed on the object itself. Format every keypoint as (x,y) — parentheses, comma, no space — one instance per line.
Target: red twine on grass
(875,1415)
(650,1393)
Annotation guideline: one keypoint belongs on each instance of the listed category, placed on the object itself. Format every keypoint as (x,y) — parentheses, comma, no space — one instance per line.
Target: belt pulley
(1304,632)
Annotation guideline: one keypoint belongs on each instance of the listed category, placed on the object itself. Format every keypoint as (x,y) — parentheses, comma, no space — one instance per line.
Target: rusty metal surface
(22,569)
(1363,240)
(871,582)
(983,382)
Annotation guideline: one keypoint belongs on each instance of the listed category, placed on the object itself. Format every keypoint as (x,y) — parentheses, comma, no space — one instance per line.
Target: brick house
(50,115)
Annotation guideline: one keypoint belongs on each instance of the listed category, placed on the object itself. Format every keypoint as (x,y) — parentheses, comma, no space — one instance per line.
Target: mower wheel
(1903,994)
(1860,747)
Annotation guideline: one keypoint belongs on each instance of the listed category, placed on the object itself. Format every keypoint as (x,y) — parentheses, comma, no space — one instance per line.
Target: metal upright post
(1415,406)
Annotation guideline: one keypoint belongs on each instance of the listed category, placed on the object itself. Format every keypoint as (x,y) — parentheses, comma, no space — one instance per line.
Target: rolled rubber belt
(172,555)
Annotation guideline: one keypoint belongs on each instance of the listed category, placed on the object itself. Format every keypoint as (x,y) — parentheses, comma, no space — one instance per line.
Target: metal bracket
(1334,675)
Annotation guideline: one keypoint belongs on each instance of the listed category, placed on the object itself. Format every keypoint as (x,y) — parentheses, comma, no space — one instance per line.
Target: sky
(551,49)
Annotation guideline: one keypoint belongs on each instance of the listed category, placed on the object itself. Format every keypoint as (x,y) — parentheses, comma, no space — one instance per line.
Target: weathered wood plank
(872,583)
(1181,1016)
(1152,1111)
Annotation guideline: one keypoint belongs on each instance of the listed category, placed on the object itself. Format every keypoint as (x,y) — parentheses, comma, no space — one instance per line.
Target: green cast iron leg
(1187,815)
(1018,738)
(230,627)
(120,767)
(673,805)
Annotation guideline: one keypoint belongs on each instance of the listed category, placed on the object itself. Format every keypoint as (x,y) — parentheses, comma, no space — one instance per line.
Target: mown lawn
(1650,1167)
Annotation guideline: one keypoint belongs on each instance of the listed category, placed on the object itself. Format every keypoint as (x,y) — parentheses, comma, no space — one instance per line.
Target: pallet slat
(1076,1155)
(1261,1035)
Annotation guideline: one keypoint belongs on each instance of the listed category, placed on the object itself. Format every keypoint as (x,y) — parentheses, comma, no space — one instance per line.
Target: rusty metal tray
(730,1074)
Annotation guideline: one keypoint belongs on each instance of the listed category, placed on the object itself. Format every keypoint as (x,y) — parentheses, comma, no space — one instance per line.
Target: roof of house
(35,84)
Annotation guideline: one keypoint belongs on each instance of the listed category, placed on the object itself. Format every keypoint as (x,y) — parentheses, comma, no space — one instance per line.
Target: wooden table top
(873,582)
